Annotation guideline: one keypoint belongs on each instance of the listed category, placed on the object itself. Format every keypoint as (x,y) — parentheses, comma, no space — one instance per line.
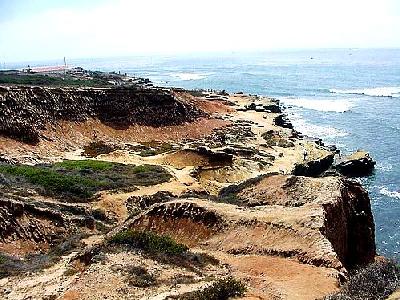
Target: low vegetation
(163,249)
(222,289)
(96,148)
(149,242)
(80,180)
(230,194)
(140,277)
(375,282)
(155,148)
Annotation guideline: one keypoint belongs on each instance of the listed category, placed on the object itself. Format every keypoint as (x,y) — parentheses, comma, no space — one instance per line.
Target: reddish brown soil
(70,135)
(214,106)
(280,278)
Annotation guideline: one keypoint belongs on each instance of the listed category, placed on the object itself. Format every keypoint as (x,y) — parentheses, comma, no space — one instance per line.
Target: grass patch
(54,183)
(161,248)
(230,193)
(149,242)
(80,180)
(222,289)
(95,165)
(374,282)
(155,148)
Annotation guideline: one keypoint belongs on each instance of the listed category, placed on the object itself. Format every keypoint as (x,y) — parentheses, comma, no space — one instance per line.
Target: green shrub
(220,290)
(55,183)
(373,282)
(149,242)
(81,179)
(155,148)
(96,165)
(148,152)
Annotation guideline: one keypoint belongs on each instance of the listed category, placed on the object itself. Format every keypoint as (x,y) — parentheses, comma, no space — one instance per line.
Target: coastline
(286,218)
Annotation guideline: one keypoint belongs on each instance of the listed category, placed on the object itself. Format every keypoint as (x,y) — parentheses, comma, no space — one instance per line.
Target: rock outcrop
(355,165)
(314,167)
(319,221)
(24,111)
(282,121)
(27,219)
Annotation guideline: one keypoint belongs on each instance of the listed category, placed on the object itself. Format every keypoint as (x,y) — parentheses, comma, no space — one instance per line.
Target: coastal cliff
(223,176)
(27,110)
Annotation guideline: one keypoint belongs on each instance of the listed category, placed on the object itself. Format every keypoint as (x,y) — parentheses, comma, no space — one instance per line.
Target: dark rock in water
(283,121)
(356,165)
(273,108)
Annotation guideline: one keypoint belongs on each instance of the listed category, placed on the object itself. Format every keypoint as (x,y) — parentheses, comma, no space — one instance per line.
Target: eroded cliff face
(234,194)
(349,225)
(24,111)
(319,221)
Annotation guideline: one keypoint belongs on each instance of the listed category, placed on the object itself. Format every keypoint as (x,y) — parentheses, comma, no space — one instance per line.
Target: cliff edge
(150,193)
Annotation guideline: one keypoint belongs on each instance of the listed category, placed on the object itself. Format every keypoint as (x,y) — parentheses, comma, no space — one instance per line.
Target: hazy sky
(48,29)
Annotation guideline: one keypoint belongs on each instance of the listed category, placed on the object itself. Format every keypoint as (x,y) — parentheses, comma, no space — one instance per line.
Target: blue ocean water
(347,97)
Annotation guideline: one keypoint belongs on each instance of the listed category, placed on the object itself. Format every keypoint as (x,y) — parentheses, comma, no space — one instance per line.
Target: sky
(51,29)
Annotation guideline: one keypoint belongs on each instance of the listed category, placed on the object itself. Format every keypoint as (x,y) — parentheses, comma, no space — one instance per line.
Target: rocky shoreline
(271,207)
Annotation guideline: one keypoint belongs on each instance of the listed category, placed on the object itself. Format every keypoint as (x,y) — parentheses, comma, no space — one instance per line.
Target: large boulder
(355,165)
(282,121)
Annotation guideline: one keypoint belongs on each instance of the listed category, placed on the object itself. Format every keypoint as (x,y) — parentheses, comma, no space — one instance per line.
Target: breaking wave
(313,130)
(393,194)
(189,76)
(393,92)
(338,105)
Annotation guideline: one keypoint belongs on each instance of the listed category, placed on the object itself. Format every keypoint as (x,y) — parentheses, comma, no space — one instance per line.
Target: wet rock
(355,165)
(273,108)
(282,121)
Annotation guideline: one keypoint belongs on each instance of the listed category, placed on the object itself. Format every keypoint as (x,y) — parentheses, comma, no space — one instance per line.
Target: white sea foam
(373,92)
(313,130)
(189,76)
(337,105)
(384,166)
(393,194)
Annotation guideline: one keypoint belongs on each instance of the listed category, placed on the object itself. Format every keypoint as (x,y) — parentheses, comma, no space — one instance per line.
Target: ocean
(347,97)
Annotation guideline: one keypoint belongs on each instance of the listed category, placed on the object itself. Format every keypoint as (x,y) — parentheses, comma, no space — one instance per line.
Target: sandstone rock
(24,111)
(330,224)
(357,164)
